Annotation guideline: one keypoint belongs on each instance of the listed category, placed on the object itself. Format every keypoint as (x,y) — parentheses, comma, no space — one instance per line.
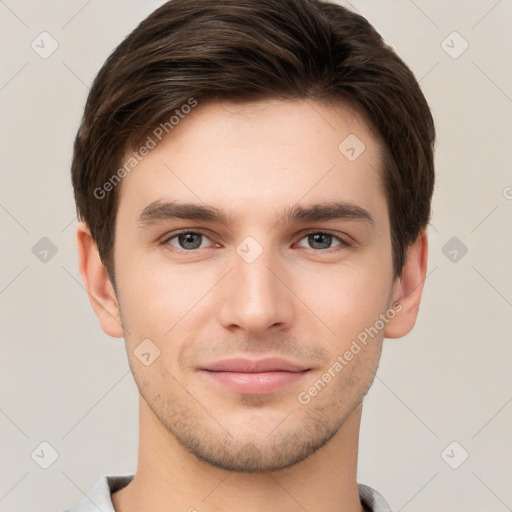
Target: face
(259,275)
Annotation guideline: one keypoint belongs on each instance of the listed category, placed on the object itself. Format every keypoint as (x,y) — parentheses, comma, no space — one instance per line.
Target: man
(254,181)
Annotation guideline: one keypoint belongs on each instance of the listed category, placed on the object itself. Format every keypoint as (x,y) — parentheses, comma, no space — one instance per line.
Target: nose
(256,294)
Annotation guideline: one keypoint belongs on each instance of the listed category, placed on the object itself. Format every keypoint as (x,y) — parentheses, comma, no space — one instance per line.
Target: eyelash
(165,242)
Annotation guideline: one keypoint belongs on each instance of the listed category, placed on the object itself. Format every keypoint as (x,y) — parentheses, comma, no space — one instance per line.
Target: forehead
(259,157)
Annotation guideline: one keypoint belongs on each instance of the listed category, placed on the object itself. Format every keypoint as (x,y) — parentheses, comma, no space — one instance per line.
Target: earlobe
(99,288)
(408,289)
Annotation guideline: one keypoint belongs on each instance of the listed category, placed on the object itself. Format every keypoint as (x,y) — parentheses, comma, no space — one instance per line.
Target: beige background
(63,381)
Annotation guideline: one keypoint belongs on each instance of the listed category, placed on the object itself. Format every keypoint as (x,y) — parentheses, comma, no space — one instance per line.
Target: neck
(169,478)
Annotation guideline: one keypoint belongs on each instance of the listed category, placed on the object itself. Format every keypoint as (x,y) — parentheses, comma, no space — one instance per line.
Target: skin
(203,445)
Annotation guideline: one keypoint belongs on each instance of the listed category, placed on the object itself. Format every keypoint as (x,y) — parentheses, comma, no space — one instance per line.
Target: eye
(186,240)
(322,240)
(189,241)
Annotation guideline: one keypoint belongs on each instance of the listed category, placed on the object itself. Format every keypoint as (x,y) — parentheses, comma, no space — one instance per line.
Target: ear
(99,288)
(408,288)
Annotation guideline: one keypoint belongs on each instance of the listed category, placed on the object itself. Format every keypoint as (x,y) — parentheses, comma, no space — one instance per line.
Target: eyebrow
(159,211)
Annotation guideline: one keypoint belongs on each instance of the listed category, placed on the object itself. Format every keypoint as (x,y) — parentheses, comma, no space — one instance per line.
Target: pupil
(318,237)
(188,240)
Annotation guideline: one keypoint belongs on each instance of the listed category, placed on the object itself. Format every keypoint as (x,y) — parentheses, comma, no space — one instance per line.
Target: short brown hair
(244,50)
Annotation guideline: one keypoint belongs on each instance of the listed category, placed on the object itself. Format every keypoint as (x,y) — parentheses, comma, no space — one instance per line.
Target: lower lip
(255,383)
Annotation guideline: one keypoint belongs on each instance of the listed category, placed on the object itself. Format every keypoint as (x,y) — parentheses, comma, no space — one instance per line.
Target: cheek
(156,297)
(346,299)
(336,300)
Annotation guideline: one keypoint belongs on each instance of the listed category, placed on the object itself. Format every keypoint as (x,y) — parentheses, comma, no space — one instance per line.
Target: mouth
(258,377)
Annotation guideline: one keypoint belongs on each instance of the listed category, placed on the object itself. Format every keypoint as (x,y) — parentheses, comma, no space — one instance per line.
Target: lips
(270,364)
(259,377)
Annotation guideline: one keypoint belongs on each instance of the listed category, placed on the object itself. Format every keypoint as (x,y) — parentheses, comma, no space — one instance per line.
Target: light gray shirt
(99,499)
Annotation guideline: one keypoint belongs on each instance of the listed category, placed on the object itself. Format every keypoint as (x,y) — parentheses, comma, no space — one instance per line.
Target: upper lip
(269,364)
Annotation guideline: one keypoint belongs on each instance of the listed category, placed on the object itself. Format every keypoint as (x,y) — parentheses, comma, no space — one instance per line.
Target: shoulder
(372,499)
(100,496)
